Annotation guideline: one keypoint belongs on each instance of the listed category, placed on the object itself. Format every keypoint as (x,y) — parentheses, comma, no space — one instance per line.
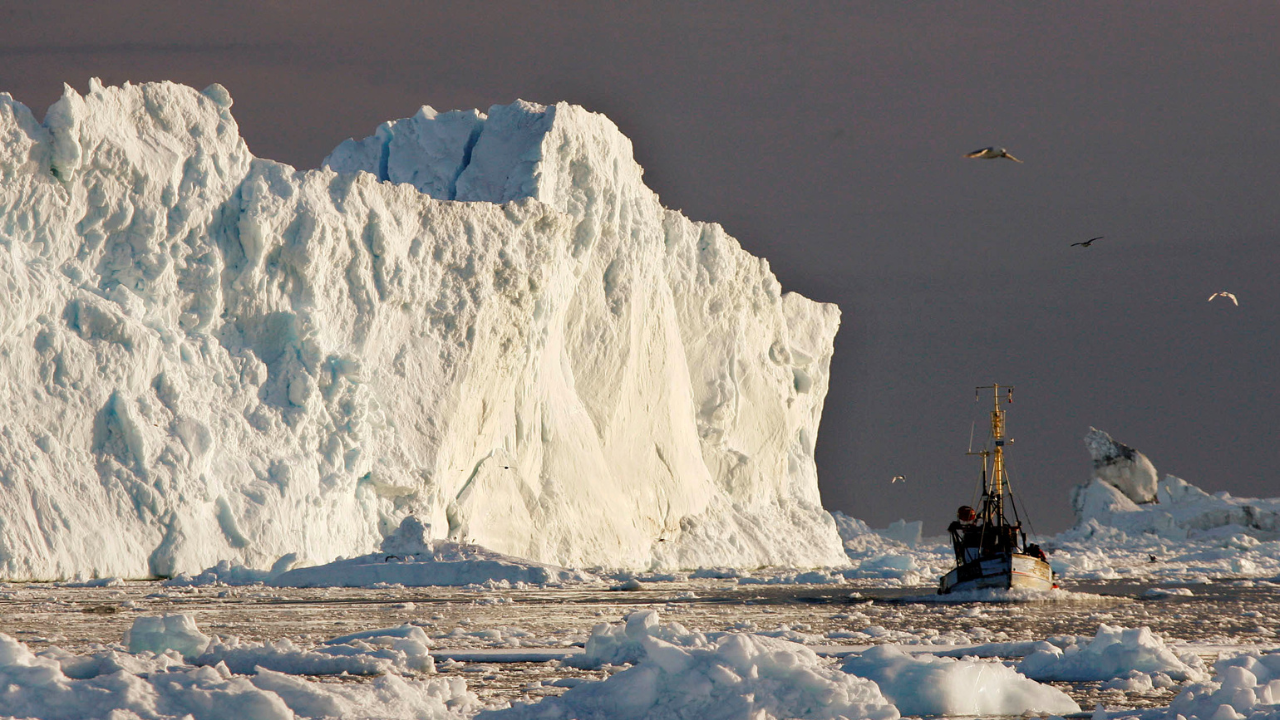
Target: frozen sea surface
(476,633)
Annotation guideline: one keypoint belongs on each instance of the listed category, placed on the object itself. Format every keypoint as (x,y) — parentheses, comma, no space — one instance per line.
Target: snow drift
(497,329)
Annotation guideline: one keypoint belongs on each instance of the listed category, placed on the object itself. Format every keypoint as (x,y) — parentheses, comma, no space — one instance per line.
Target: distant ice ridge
(417,564)
(216,357)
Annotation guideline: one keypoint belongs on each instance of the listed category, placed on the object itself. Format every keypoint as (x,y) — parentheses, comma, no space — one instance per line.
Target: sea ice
(690,676)
(110,685)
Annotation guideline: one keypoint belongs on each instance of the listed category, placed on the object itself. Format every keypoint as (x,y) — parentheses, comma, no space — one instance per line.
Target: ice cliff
(496,328)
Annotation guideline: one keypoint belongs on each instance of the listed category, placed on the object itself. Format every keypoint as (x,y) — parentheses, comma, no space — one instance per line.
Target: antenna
(971,426)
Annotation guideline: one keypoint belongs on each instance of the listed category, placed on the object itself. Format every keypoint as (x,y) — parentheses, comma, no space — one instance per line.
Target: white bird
(992,153)
(896,478)
(1227,295)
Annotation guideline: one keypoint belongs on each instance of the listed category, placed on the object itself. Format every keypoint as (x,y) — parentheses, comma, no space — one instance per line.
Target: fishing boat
(991,551)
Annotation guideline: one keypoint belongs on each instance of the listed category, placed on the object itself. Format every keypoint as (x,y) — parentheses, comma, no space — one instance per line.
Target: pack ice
(486,321)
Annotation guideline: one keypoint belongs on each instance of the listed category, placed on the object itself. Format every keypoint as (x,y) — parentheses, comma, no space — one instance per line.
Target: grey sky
(828,137)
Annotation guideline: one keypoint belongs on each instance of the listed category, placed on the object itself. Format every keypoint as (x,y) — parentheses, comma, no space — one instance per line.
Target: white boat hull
(1006,572)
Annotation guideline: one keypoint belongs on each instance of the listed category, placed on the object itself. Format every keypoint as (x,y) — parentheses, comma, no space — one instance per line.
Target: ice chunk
(612,644)
(372,652)
(1246,685)
(907,533)
(930,685)
(412,537)
(1112,653)
(167,632)
(106,685)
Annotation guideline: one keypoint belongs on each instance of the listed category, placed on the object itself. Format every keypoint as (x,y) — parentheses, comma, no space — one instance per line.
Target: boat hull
(1005,572)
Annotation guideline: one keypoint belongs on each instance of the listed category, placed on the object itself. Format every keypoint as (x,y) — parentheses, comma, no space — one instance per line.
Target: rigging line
(1030,526)
(977,486)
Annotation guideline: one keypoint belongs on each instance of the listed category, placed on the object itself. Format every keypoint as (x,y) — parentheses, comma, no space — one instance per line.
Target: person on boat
(965,532)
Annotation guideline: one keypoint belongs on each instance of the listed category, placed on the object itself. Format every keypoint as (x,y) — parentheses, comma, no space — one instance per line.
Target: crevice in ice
(466,158)
(385,133)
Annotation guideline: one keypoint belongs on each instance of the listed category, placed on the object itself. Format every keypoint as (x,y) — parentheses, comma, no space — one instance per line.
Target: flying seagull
(1226,295)
(1088,242)
(896,478)
(991,153)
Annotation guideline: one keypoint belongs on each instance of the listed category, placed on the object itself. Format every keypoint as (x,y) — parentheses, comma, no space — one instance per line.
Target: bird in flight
(991,153)
(896,478)
(1226,295)
(1088,242)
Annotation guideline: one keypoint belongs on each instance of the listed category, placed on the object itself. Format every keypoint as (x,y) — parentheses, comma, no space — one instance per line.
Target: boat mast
(995,493)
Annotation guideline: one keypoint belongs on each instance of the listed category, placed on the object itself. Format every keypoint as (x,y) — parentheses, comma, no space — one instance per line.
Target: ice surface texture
(500,330)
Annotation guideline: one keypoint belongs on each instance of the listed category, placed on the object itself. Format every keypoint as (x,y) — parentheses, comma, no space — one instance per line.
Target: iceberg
(483,320)
(1184,532)
(1176,510)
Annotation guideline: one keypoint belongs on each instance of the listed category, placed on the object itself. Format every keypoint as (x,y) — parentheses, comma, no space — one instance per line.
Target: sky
(828,138)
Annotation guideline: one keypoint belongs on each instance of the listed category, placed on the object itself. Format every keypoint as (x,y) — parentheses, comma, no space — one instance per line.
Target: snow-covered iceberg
(498,328)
